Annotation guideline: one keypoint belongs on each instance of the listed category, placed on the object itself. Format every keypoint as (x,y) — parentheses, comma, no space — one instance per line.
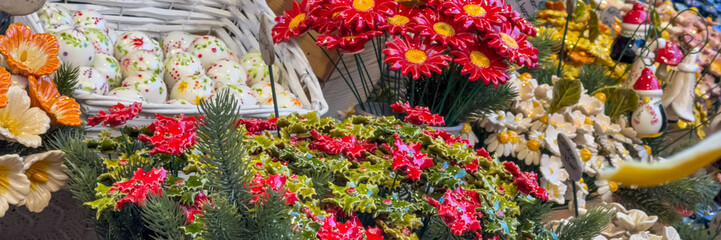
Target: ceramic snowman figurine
(633,35)
(678,96)
(649,119)
(645,60)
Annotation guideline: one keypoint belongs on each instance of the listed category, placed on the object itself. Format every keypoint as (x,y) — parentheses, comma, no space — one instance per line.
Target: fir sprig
(272,218)
(595,76)
(585,226)
(222,221)
(65,79)
(164,217)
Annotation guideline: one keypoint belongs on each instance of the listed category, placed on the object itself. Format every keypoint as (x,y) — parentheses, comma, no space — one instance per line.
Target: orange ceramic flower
(4,86)
(582,57)
(28,53)
(60,109)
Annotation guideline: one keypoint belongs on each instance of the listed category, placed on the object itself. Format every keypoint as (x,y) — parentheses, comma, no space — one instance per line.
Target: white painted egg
(181,65)
(178,102)
(225,71)
(140,61)
(56,28)
(91,19)
(257,69)
(127,93)
(193,88)
(263,90)
(176,41)
(285,100)
(244,95)
(91,81)
(109,67)
(132,41)
(101,42)
(209,49)
(149,85)
(75,48)
(55,14)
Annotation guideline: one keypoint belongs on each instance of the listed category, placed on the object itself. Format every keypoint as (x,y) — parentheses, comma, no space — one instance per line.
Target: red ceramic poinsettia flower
(415,56)
(138,187)
(362,14)
(197,207)
(522,23)
(526,182)
(347,40)
(482,63)
(401,21)
(418,115)
(347,145)
(508,41)
(333,230)
(257,126)
(276,182)
(447,137)
(374,234)
(119,115)
(479,14)
(171,135)
(442,29)
(481,152)
(408,158)
(292,23)
(458,210)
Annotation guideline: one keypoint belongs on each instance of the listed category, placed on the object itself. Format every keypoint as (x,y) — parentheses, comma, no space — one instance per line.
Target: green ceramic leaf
(566,92)
(620,100)
(579,13)
(593,28)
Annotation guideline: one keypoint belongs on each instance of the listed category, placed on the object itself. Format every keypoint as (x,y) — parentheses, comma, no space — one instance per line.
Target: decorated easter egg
(56,28)
(209,49)
(257,69)
(91,19)
(75,48)
(140,61)
(55,14)
(225,71)
(181,65)
(109,68)
(157,50)
(100,41)
(131,42)
(263,90)
(178,102)
(127,93)
(244,95)
(194,88)
(113,35)
(148,84)
(285,100)
(176,41)
(91,81)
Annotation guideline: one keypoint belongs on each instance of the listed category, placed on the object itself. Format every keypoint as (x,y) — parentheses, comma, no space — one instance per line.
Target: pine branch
(222,222)
(164,217)
(585,226)
(594,76)
(272,218)
(534,212)
(546,45)
(490,99)
(65,79)
(693,231)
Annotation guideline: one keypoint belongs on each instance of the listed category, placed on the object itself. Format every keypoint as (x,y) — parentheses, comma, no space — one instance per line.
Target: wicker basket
(236,22)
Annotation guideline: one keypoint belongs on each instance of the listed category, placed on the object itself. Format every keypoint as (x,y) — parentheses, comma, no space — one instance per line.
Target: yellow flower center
(501,117)
(503,138)
(444,29)
(479,59)
(586,155)
(544,119)
(398,20)
(533,145)
(37,173)
(296,21)
(363,5)
(11,125)
(682,124)
(613,186)
(4,181)
(509,41)
(536,104)
(514,137)
(29,55)
(474,10)
(588,121)
(648,149)
(415,56)
(601,96)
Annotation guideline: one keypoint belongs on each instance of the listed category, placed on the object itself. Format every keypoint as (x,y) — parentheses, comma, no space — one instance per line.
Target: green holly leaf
(620,100)
(400,213)
(194,229)
(303,187)
(566,92)
(361,198)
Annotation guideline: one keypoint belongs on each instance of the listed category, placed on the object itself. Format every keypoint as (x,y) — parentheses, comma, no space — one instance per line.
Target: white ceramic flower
(517,122)
(531,108)
(618,208)
(643,152)
(551,138)
(527,89)
(530,150)
(611,231)
(595,163)
(580,121)
(635,221)
(497,120)
(47,174)
(558,120)
(13,183)
(627,130)
(645,236)
(603,126)
(599,237)
(670,233)
(502,143)
(589,105)
(581,193)
(552,169)
(21,123)
(605,188)
(556,191)
(544,92)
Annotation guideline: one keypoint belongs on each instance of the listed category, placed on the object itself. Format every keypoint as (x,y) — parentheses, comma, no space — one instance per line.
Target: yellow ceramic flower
(28,53)
(13,183)
(19,122)
(46,173)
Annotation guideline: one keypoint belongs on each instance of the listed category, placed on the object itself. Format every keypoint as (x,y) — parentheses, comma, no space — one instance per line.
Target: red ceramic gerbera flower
(333,230)
(401,21)
(481,62)
(276,182)
(197,207)
(349,41)
(442,29)
(457,209)
(323,21)
(138,187)
(415,56)
(522,24)
(119,115)
(479,14)
(526,182)
(171,135)
(418,115)
(292,23)
(347,145)
(509,41)
(360,14)
(408,158)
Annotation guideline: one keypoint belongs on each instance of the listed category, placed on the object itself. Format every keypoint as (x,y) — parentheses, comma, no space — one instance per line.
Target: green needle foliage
(595,76)
(65,79)
(585,226)
(222,221)
(164,217)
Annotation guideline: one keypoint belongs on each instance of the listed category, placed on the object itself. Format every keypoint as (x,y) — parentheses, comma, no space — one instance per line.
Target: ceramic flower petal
(28,53)
(46,173)
(635,220)
(19,122)
(12,181)
(5,82)
(61,109)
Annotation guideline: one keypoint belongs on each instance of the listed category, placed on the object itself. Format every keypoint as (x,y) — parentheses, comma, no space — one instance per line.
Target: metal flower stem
(275,96)
(563,47)
(575,198)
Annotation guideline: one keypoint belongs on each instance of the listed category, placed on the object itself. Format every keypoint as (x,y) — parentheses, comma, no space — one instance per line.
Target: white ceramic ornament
(109,68)
(56,28)
(157,50)
(678,95)
(100,41)
(244,95)
(257,69)
(193,89)
(176,42)
(148,84)
(53,13)
(126,93)
(648,119)
(178,102)
(140,61)
(75,48)
(285,100)
(132,41)
(91,19)
(91,81)
(225,71)
(19,81)
(645,60)
(263,90)
(209,49)
(179,66)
